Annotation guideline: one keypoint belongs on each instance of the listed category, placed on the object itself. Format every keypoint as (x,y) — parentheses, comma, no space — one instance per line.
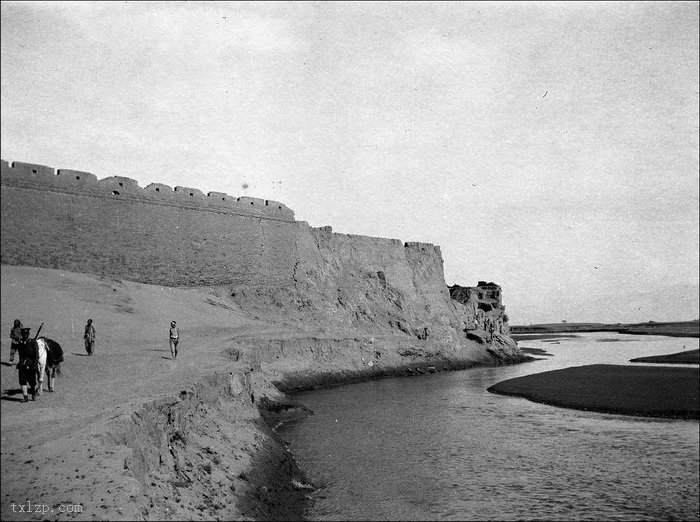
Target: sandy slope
(54,450)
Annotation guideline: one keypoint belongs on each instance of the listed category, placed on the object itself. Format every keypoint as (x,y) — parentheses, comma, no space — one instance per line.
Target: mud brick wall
(112,227)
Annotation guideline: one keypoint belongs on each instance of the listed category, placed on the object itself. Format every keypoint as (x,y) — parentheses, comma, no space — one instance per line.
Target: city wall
(72,220)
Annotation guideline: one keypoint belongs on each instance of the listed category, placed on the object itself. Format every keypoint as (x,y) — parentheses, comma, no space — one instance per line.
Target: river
(440,447)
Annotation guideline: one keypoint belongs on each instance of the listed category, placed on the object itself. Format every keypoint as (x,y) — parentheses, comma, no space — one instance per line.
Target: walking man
(174,339)
(15,336)
(26,366)
(89,337)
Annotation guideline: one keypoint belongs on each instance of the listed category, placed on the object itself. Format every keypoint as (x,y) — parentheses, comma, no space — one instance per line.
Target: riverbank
(541,337)
(627,390)
(131,434)
(668,328)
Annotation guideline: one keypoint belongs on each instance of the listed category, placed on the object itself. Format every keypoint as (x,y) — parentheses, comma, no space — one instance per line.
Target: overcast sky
(549,147)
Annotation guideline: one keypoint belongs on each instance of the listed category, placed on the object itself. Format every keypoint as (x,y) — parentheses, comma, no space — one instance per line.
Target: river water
(440,447)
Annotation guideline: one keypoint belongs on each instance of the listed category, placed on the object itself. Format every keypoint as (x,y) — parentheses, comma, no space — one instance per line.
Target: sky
(549,147)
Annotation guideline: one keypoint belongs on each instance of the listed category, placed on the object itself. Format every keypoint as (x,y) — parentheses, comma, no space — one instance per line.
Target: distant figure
(16,336)
(174,339)
(26,366)
(89,337)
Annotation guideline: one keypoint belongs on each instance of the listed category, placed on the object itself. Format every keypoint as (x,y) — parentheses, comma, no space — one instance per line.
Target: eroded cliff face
(357,285)
(375,284)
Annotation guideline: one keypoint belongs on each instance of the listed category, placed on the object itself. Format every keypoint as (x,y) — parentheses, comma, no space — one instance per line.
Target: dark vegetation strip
(670,329)
(627,390)
(535,351)
(534,337)
(670,332)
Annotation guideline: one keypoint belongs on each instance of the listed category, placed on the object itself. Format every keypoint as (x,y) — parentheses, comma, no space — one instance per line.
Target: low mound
(686,357)
(628,390)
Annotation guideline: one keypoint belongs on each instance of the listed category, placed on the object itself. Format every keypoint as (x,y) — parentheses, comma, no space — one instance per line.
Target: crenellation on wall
(41,177)
(121,181)
(276,206)
(119,185)
(32,169)
(189,192)
(160,187)
(419,246)
(77,175)
(256,202)
(219,196)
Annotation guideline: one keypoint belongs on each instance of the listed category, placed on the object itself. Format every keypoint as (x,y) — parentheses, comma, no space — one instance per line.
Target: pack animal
(49,359)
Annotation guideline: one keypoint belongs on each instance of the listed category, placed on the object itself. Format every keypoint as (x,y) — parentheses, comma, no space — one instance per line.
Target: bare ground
(60,450)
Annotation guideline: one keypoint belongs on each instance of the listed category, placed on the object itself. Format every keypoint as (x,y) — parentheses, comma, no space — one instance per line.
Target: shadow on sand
(9,395)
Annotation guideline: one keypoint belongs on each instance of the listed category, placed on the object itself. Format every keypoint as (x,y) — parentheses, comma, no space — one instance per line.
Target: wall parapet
(41,177)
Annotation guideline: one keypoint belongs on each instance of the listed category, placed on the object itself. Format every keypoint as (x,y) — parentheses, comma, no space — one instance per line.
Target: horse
(49,359)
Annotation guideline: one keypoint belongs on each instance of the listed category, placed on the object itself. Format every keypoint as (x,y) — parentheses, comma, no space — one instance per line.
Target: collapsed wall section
(484,304)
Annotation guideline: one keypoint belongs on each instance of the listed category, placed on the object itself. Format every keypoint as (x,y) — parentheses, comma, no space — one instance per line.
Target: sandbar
(686,357)
(627,390)
(534,351)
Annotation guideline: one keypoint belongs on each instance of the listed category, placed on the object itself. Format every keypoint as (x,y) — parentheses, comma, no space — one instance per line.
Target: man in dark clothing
(27,364)
(16,336)
(89,337)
